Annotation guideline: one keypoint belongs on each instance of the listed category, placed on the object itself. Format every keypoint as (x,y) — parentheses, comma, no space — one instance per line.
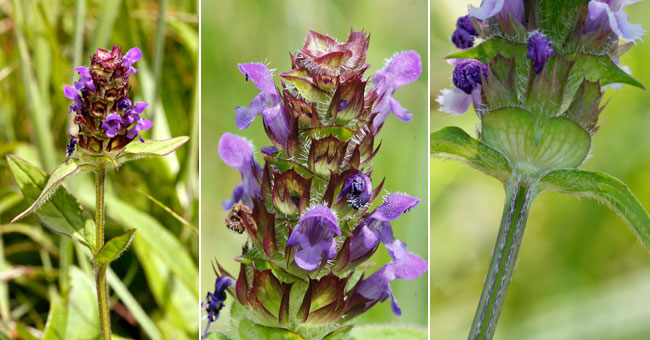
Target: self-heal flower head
(267,103)
(237,153)
(463,36)
(467,75)
(106,120)
(357,190)
(402,69)
(377,228)
(377,286)
(112,124)
(501,8)
(605,14)
(313,237)
(539,50)
(214,301)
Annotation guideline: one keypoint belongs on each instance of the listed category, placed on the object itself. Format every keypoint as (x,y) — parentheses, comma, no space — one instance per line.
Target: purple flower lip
(112,125)
(539,50)
(402,69)
(314,237)
(357,190)
(267,103)
(467,74)
(502,8)
(377,228)
(609,14)
(377,286)
(237,153)
(214,301)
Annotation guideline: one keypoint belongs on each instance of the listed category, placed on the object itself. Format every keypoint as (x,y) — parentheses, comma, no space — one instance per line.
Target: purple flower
(314,237)
(269,150)
(214,301)
(377,228)
(71,93)
(539,50)
(609,13)
(130,58)
(402,69)
(457,102)
(112,125)
(69,150)
(237,153)
(377,286)
(141,124)
(133,116)
(357,190)
(503,8)
(267,103)
(84,79)
(464,34)
(124,104)
(467,74)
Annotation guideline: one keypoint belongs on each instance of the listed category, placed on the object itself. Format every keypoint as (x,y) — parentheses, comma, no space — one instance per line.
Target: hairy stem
(519,197)
(100,269)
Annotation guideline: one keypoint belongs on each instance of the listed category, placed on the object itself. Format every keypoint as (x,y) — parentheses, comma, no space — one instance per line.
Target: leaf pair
(454,143)
(61,212)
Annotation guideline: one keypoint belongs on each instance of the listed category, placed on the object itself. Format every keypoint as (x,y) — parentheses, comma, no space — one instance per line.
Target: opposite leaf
(114,248)
(251,331)
(604,188)
(454,143)
(62,212)
(62,171)
(151,148)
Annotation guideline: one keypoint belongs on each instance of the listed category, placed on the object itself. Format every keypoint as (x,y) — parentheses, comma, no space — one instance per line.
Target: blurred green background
(260,31)
(581,272)
(41,41)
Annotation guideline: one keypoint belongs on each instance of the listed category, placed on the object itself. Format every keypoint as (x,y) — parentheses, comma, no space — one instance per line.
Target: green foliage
(454,143)
(59,211)
(114,247)
(559,143)
(150,148)
(46,40)
(605,189)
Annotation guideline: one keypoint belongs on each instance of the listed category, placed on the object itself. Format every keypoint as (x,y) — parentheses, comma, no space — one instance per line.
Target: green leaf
(606,189)
(170,271)
(83,315)
(489,49)
(599,68)
(251,331)
(54,181)
(62,212)
(533,149)
(381,332)
(388,332)
(114,247)
(342,333)
(217,336)
(57,322)
(137,149)
(133,306)
(454,143)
